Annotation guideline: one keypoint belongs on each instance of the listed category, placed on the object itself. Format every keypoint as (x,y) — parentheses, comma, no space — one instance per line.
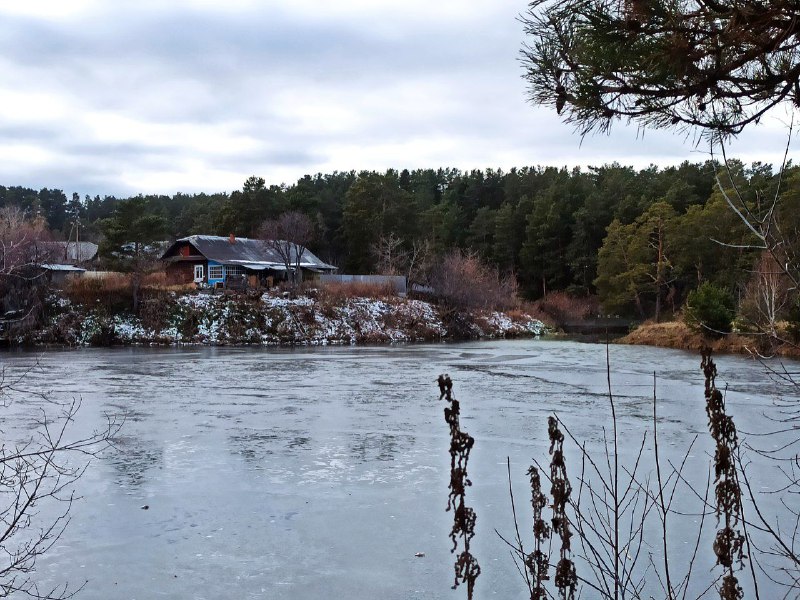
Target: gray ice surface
(321,472)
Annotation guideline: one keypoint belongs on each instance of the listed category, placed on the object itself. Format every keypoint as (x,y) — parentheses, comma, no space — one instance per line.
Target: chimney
(232,239)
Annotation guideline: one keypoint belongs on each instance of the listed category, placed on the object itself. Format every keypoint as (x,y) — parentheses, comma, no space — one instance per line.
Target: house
(216,261)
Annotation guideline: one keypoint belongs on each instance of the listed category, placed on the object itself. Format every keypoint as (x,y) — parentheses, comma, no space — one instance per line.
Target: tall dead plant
(464,517)
(566,579)
(613,513)
(729,541)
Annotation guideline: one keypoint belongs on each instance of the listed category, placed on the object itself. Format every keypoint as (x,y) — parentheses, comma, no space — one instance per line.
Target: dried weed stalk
(566,579)
(534,566)
(613,512)
(538,561)
(466,566)
(729,542)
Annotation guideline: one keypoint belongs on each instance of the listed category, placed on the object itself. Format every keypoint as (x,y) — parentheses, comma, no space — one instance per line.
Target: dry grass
(339,292)
(115,290)
(560,307)
(158,281)
(676,334)
(155,280)
(109,291)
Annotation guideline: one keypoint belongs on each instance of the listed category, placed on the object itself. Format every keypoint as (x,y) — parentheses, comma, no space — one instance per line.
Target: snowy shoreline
(270,320)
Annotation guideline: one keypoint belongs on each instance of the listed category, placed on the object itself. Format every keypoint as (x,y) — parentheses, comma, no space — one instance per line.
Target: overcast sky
(128,96)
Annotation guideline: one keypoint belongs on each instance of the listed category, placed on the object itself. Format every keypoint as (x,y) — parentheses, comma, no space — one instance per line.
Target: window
(233,270)
(215,271)
(198,272)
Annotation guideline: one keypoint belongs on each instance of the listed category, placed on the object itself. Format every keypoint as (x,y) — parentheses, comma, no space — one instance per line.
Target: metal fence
(101,274)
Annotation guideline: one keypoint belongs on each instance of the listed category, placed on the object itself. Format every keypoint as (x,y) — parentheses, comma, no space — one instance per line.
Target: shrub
(793,321)
(463,281)
(562,306)
(112,291)
(188,324)
(709,309)
(157,280)
(155,310)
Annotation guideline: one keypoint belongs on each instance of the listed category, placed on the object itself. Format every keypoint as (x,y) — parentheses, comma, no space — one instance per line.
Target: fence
(101,274)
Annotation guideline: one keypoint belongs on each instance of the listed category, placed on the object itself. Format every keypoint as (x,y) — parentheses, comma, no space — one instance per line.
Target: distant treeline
(638,238)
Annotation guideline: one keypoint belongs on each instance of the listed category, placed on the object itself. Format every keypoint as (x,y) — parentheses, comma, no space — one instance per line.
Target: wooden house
(216,261)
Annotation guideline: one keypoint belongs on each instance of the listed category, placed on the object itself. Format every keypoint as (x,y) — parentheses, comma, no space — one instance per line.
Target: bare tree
(41,469)
(420,261)
(766,296)
(390,255)
(21,243)
(22,253)
(715,67)
(395,257)
(289,236)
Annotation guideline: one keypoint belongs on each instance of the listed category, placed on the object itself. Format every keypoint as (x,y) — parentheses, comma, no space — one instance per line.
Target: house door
(198,273)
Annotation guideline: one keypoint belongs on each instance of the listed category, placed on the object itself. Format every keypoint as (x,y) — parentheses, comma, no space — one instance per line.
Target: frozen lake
(320,472)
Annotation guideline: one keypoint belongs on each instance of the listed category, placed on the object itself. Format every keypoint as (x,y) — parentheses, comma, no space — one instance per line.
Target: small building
(217,261)
(58,274)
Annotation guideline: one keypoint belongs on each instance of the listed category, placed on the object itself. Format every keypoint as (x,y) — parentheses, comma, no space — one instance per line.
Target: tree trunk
(659,273)
(136,284)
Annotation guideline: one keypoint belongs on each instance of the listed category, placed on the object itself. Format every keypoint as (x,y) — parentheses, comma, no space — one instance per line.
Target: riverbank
(676,334)
(272,320)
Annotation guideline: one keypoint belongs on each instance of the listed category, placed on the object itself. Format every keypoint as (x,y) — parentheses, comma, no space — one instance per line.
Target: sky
(162,96)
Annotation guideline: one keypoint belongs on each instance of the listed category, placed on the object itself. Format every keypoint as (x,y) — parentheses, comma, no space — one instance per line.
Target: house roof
(249,253)
(56,267)
(71,252)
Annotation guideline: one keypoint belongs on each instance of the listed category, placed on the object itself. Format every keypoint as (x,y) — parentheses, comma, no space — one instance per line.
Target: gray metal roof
(71,268)
(72,252)
(251,254)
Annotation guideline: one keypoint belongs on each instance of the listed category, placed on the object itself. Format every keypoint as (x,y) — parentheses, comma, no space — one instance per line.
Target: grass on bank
(677,334)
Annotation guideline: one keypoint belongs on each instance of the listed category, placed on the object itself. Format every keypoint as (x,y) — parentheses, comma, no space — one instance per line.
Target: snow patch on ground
(279,320)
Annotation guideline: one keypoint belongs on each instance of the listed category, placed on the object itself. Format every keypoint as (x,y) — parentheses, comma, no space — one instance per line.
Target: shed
(57,274)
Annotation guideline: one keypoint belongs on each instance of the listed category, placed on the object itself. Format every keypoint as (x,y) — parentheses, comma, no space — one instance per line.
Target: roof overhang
(255,265)
(69,268)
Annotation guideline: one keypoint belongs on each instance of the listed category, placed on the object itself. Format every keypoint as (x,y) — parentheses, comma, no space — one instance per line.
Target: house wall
(180,272)
(183,272)
(213,281)
(186,250)
(60,278)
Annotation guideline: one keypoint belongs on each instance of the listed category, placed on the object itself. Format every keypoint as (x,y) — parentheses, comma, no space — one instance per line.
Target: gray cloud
(131,98)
